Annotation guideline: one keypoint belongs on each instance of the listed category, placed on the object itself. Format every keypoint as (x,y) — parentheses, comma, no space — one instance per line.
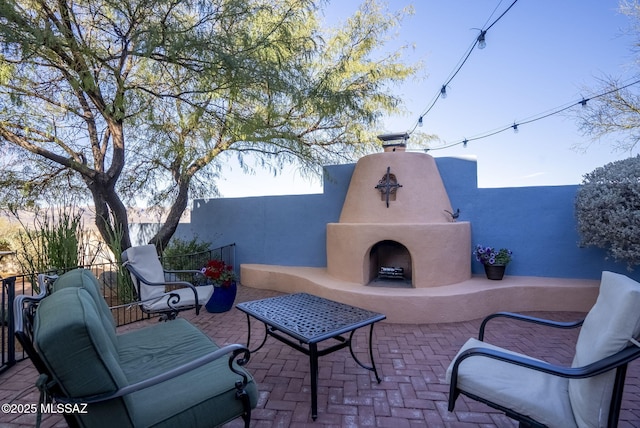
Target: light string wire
(461,63)
(536,118)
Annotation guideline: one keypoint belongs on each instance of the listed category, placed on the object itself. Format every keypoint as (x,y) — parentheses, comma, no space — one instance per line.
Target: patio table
(310,320)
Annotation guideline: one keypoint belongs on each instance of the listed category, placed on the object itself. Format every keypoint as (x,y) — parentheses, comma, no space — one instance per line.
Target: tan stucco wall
(421,199)
(440,252)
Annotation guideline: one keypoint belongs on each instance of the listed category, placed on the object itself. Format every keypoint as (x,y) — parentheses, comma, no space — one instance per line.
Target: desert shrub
(56,239)
(183,254)
(608,210)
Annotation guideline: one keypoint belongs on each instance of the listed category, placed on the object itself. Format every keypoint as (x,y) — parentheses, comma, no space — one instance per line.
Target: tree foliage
(126,101)
(608,210)
(616,114)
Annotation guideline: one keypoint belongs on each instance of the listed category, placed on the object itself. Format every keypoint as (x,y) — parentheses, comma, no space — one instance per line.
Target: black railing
(115,284)
(197,260)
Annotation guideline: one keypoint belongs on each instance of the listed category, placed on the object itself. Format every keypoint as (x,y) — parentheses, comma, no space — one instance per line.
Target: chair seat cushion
(186,298)
(538,395)
(202,397)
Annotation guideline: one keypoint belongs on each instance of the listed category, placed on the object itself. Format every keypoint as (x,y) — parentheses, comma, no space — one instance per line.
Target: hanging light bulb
(420,122)
(464,143)
(583,103)
(443,91)
(482,43)
(515,128)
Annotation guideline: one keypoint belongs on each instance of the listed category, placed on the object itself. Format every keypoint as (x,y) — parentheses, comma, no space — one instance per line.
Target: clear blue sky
(541,55)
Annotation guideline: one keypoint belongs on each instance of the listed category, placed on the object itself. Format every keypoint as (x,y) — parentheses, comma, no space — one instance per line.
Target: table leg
(264,340)
(373,363)
(313,357)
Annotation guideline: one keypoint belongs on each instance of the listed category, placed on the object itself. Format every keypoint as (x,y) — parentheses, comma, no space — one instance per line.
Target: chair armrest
(239,354)
(598,367)
(184,271)
(164,283)
(46,281)
(196,275)
(183,284)
(24,309)
(19,308)
(616,361)
(526,318)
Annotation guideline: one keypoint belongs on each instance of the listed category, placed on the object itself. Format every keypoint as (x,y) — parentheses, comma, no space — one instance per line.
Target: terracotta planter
(494,272)
(222,298)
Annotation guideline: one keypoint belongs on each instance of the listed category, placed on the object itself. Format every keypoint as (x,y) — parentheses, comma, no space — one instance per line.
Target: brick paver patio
(411,359)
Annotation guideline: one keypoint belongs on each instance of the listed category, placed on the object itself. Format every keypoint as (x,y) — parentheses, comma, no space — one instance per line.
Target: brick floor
(411,359)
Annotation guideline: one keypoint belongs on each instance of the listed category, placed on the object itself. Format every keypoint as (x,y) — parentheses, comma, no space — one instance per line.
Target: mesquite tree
(123,101)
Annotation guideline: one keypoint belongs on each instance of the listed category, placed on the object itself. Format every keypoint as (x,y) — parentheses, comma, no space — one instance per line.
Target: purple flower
(491,256)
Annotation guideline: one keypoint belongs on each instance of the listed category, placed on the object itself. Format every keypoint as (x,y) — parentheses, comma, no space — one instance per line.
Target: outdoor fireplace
(390,263)
(396,226)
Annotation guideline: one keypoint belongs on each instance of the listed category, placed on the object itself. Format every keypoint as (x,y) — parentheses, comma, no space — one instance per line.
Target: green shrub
(608,210)
(181,254)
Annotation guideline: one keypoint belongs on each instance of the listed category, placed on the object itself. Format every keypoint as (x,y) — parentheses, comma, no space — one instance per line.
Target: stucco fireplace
(397,225)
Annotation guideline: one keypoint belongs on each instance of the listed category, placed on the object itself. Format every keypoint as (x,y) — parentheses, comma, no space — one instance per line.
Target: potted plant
(223,278)
(494,261)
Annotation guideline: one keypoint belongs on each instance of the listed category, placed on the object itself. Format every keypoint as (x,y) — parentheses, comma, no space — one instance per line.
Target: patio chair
(155,293)
(536,393)
(161,375)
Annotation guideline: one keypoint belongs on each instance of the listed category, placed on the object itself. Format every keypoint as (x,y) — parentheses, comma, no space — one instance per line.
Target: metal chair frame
(172,299)
(618,362)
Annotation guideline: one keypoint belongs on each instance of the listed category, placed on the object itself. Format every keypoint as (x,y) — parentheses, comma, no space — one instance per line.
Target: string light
(479,41)
(553,112)
(482,43)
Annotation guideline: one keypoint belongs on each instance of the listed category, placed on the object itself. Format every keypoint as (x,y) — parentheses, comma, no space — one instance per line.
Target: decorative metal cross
(388,185)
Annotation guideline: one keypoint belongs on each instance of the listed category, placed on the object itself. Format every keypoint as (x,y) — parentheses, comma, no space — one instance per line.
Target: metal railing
(115,285)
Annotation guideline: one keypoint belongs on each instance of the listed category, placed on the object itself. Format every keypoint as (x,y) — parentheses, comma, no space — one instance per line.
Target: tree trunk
(111,218)
(161,239)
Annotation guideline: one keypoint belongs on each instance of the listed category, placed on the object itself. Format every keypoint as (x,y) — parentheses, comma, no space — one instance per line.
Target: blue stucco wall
(537,223)
(283,230)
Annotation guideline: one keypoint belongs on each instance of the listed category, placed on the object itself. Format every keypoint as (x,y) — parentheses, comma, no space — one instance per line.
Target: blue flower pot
(222,298)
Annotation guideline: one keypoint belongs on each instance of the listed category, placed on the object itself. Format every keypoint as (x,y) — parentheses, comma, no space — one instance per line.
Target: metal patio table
(310,320)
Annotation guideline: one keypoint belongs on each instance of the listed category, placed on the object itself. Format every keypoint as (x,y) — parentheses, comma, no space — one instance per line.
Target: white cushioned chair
(150,282)
(536,393)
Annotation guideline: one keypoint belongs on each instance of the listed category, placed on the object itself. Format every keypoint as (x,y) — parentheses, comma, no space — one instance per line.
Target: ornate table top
(308,318)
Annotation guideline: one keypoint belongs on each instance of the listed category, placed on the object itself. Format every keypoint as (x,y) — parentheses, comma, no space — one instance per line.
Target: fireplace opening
(390,265)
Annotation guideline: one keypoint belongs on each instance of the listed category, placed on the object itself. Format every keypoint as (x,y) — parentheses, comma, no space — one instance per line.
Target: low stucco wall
(468,300)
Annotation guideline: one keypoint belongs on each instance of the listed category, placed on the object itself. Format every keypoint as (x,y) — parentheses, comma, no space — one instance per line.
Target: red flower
(219,272)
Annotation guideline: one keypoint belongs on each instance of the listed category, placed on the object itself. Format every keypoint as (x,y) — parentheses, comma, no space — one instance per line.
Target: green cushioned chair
(164,375)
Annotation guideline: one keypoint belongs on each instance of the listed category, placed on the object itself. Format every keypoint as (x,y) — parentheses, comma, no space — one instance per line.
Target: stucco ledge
(464,301)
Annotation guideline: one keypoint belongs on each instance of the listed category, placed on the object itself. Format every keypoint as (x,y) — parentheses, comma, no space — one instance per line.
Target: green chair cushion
(85,279)
(71,339)
(205,396)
